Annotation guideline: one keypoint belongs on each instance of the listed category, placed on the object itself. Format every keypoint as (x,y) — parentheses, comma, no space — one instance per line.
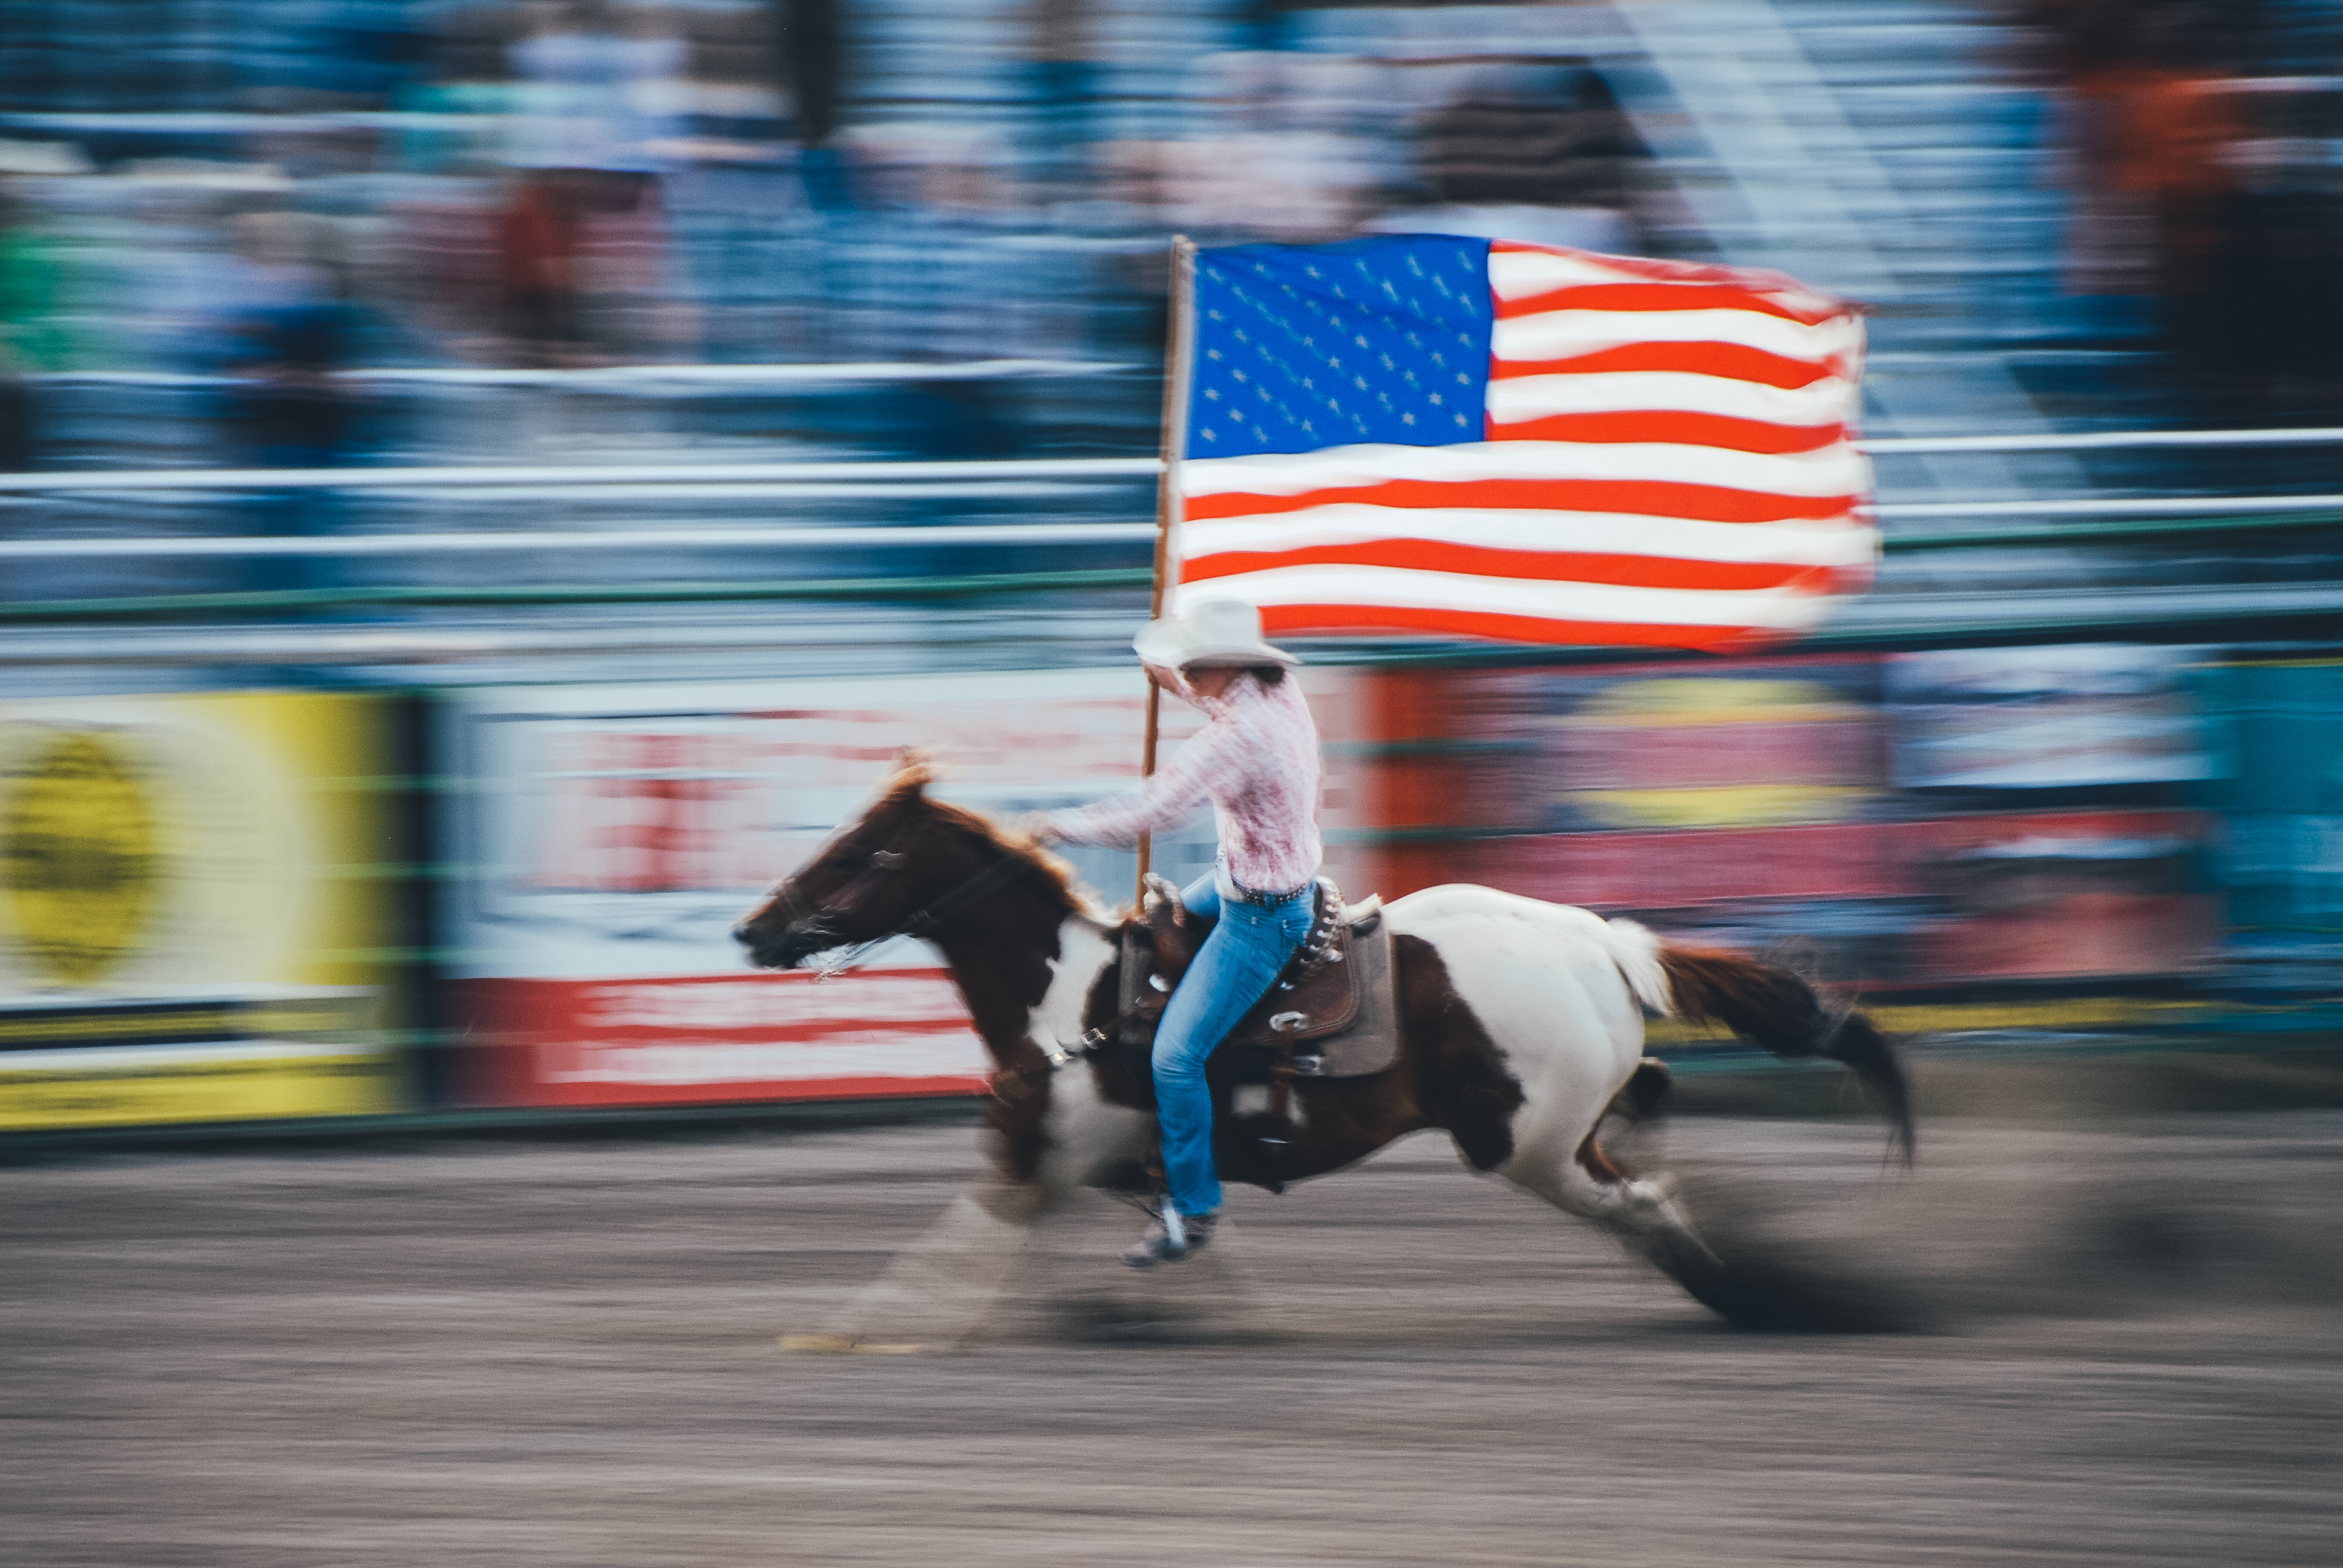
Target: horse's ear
(912,774)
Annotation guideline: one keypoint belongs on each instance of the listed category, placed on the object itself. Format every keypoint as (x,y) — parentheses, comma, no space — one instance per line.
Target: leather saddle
(1332,1013)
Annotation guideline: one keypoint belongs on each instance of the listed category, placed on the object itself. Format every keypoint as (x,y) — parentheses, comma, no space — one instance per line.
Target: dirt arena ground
(2116,1347)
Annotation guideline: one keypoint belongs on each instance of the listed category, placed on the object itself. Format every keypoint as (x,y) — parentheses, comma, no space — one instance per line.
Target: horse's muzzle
(786,947)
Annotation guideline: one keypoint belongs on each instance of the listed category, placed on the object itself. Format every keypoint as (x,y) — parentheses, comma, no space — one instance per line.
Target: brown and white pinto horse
(1522,1024)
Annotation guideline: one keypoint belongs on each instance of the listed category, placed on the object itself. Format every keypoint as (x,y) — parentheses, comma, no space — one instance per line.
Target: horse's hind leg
(1589,1184)
(1641,1214)
(1640,1094)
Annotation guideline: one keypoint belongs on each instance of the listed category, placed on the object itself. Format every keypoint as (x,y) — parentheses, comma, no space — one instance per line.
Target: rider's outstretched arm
(1162,799)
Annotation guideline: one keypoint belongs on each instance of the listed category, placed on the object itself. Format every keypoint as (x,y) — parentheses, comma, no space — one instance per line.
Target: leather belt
(1270,901)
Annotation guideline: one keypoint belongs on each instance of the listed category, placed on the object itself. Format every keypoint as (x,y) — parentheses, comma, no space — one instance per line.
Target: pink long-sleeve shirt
(1258,761)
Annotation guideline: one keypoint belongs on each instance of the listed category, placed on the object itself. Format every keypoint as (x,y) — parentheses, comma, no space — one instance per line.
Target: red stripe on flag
(1728,361)
(1643,498)
(1278,619)
(1656,297)
(1536,565)
(1675,427)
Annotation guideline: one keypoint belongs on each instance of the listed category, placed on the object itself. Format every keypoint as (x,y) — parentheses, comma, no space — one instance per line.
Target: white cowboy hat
(1209,632)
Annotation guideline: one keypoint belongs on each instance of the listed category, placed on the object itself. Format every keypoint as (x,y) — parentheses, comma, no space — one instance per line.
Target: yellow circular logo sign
(81,864)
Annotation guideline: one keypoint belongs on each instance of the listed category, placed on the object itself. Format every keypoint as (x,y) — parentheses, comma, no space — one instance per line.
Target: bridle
(926,921)
(811,924)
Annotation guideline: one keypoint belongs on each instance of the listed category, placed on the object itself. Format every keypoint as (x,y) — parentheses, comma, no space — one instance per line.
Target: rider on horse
(1257,760)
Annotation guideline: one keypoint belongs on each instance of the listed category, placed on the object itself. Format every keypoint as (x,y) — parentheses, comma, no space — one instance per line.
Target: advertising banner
(194,907)
(610,837)
(1929,820)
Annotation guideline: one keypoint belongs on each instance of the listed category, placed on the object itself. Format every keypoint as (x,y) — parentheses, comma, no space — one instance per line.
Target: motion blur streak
(486,487)
(560,1357)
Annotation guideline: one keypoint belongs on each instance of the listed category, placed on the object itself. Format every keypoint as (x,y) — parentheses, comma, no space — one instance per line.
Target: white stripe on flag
(1522,273)
(1590,533)
(1512,400)
(1834,470)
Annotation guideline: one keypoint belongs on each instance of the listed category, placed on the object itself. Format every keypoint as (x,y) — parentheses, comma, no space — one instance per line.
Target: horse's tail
(1780,1011)
(1636,952)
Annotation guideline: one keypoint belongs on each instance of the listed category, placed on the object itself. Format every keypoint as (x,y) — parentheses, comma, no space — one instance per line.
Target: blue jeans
(1240,961)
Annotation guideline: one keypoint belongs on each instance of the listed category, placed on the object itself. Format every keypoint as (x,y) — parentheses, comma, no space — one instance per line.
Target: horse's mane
(908,787)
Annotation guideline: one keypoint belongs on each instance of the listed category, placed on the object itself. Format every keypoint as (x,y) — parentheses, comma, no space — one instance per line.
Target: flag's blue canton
(1298,348)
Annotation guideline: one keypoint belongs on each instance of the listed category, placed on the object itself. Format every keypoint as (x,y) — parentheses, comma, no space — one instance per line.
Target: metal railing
(576,474)
(697,474)
(2083,521)
(285,601)
(629,377)
(2102,441)
(585,540)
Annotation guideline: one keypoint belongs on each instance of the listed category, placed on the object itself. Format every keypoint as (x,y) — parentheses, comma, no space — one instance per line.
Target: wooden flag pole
(1178,334)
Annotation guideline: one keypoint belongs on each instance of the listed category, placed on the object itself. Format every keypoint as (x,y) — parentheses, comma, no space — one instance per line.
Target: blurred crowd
(2200,144)
(567,184)
(269,197)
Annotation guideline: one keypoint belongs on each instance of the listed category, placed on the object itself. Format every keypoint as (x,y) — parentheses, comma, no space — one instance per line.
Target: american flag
(1427,433)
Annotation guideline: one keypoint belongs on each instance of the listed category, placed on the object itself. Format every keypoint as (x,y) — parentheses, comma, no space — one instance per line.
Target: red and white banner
(681,1038)
(611,836)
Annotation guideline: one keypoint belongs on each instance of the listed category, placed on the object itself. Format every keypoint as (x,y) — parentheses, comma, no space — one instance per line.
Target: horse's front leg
(937,1291)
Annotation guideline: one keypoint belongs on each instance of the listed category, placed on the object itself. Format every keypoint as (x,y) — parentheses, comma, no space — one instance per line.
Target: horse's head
(907,865)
